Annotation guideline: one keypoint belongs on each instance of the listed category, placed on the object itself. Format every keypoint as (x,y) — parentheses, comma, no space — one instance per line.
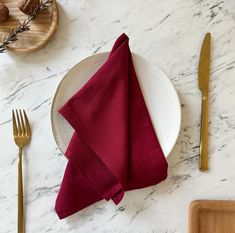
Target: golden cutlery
(203,82)
(22,136)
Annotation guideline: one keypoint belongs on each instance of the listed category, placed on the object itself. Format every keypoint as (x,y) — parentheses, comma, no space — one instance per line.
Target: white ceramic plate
(160,96)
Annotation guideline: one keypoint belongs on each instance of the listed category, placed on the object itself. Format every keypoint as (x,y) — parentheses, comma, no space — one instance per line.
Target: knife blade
(204,64)
(203,83)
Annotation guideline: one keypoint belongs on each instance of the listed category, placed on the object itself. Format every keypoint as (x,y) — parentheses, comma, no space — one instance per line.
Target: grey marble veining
(168,33)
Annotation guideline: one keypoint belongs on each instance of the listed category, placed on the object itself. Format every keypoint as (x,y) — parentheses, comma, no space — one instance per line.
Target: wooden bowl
(42,29)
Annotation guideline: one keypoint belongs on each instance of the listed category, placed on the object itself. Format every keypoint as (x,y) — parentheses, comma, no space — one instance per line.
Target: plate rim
(107,52)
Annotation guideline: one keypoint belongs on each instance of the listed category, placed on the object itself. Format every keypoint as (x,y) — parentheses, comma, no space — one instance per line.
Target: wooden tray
(41,31)
(212,217)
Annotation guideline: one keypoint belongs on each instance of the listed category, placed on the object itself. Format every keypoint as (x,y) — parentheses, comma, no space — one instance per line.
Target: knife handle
(203,161)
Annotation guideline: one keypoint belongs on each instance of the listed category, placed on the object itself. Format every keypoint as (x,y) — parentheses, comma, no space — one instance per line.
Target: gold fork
(22,136)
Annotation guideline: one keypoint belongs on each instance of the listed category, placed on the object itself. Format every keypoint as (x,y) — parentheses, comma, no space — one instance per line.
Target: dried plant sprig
(24,26)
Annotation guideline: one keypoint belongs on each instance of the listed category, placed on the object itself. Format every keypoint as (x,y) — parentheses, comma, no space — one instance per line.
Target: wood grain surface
(41,31)
(207,216)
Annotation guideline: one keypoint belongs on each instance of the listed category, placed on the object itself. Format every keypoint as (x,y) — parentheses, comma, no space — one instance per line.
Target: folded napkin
(114,147)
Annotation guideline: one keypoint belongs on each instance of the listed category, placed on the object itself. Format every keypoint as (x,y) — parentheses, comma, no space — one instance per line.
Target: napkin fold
(114,147)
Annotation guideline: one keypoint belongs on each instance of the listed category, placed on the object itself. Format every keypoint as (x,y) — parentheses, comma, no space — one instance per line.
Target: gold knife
(203,82)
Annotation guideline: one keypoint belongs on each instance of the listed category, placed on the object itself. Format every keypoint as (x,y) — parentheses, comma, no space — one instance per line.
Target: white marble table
(167,32)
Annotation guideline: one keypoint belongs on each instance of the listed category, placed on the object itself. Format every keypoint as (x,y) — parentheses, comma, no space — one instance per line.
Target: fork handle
(20,194)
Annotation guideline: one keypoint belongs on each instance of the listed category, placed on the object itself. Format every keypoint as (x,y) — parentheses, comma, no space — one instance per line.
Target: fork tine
(15,131)
(28,130)
(18,123)
(22,123)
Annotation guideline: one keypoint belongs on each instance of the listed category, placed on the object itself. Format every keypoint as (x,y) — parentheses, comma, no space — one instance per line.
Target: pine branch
(24,26)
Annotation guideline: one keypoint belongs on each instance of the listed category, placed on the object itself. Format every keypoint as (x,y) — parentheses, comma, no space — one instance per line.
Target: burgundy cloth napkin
(114,147)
